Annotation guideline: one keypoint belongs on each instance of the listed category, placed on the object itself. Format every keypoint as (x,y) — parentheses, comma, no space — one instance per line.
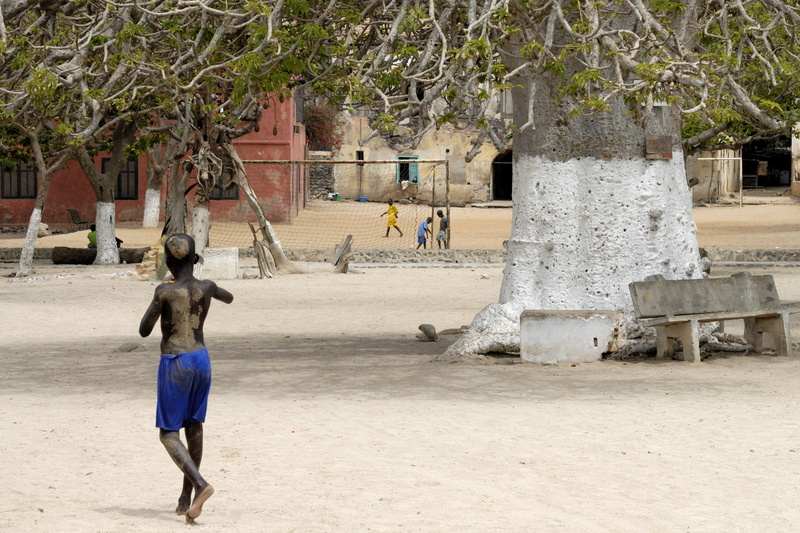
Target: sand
(327,414)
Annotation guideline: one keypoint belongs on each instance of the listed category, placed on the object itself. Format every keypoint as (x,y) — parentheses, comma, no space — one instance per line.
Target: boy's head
(179,250)
(429,220)
(390,201)
(440,213)
(92,228)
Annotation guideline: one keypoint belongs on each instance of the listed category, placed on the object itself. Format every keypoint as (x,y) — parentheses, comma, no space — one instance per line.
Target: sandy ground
(327,415)
(774,223)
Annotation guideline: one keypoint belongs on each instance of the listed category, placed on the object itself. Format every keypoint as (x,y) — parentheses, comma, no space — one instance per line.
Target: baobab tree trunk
(591,214)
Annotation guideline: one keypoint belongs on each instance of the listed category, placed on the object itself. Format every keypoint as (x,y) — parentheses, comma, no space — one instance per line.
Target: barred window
(20,181)
(217,193)
(127,187)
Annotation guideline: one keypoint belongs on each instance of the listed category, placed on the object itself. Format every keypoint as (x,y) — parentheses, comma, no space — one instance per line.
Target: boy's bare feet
(183,505)
(197,505)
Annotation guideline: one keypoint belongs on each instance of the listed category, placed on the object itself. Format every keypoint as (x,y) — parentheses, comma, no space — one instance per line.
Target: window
(127,187)
(20,181)
(407,171)
(232,193)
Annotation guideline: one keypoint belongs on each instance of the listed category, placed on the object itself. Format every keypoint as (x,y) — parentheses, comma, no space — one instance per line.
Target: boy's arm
(151,316)
(222,295)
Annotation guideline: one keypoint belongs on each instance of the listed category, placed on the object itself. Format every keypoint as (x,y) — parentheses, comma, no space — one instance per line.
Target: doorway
(502,176)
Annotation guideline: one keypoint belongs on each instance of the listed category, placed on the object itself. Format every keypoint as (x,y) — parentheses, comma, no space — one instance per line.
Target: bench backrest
(741,292)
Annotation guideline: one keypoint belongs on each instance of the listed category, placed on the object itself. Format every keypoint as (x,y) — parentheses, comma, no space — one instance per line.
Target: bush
(324,127)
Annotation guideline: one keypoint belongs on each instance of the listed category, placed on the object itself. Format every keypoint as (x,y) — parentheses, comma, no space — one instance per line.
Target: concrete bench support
(566,336)
(220,263)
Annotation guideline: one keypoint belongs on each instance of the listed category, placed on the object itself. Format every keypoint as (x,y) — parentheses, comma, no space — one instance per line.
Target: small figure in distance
(422,233)
(391,222)
(92,236)
(441,237)
(184,372)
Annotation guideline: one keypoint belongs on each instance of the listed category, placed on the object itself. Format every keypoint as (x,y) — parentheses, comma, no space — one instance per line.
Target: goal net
(338,203)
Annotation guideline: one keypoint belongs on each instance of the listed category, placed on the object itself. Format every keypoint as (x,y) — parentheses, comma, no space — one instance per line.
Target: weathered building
(282,189)
(486,176)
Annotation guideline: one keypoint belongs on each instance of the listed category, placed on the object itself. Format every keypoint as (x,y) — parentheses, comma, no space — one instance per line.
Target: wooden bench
(675,308)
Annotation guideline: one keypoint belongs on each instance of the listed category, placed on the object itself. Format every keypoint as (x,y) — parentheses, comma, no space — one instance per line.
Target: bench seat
(675,308)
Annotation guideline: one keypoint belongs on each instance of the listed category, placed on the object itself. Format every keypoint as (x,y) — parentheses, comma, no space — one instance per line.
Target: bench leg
(665,345)
(753,335)
(689,335)
(777,326)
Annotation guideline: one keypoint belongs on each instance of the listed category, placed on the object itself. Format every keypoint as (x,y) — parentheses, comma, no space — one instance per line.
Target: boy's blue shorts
(183,384)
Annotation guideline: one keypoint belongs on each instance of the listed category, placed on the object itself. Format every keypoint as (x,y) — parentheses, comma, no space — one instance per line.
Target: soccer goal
(341,198)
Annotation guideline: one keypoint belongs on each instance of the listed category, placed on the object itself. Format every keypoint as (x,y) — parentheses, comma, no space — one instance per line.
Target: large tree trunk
(26,255)
(201,223)
(591,214)
(107,251)
(104,185)
(152,207)
(28,246)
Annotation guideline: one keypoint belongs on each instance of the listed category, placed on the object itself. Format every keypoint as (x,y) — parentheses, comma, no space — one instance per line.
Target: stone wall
(320,177)
(11,255)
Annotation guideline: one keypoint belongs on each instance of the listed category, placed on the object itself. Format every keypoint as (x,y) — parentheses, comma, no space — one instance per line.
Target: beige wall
(469,182)
(717,174)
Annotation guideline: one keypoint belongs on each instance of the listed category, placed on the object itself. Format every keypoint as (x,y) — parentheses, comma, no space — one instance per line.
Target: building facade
(281,189)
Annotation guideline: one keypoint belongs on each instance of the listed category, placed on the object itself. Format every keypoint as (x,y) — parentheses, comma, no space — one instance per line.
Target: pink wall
(280,190)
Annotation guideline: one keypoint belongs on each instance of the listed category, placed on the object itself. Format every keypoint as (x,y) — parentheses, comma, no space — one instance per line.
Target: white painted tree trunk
(152,207)
(107,252)
(580,234)
(200,227)
(591,215)
(201,224)
(26,255)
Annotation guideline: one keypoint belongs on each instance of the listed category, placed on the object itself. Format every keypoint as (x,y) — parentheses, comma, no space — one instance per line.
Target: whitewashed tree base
(583,230)
(152,207)
(107,251)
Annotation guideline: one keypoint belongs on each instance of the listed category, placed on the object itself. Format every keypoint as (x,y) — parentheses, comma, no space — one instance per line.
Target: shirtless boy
(184,373)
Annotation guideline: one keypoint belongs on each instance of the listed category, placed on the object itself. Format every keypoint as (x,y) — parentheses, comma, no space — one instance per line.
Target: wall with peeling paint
(470,182)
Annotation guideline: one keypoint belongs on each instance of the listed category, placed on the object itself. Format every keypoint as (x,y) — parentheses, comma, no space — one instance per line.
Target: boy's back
(183,309)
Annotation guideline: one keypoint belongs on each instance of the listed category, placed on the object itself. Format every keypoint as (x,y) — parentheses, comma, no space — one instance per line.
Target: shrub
(324,127)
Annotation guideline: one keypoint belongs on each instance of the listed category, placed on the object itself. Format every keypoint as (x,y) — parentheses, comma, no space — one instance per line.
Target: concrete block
(566,336)
(220,263)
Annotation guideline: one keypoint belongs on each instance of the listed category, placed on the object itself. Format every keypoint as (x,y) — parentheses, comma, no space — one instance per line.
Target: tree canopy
(83,66)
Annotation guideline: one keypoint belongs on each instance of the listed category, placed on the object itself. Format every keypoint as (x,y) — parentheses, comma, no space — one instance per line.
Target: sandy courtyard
(327,415)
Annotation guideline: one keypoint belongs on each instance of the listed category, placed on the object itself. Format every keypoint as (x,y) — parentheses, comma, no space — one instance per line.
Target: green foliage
(42,88)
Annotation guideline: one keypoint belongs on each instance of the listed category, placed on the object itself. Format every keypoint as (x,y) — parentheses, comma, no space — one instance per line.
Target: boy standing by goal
(184,373)
(441,237)
(422,233)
